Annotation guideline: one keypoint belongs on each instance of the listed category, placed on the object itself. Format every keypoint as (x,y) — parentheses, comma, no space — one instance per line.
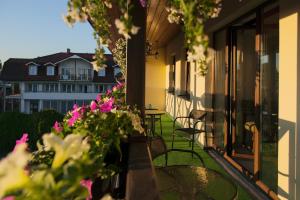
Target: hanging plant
(119,53)
(191,13)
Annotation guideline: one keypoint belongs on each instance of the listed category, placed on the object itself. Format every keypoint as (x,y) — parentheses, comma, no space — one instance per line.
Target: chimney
(68,50)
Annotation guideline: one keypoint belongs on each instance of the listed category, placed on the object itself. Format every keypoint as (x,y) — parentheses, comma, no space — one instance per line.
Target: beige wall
(155,80)
(289,89)
(289,101)
(176,105)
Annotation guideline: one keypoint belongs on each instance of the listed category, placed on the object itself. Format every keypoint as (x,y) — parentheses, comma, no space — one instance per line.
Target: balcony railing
(80,77)
(84,77)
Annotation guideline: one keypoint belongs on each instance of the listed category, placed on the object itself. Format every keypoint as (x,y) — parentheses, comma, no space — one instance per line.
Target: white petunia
(122,28)
(12,172)
(198,52)
(72,146)
(134,30)
(136,122)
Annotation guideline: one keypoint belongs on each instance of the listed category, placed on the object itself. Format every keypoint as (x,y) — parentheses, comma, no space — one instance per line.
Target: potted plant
(87,150)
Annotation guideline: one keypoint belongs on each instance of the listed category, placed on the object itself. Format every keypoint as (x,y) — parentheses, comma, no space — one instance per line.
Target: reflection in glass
(269,97)
(219,99)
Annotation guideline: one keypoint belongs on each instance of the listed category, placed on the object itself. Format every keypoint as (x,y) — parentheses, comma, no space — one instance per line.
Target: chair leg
(173,135)
(166,159)
(193,140)
(160,126)
(205,132)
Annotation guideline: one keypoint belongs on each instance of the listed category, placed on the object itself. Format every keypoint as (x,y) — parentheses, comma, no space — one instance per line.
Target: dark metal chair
(195,117)
(158,147)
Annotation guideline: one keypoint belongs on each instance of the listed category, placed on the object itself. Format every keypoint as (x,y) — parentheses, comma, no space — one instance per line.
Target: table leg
(153,124)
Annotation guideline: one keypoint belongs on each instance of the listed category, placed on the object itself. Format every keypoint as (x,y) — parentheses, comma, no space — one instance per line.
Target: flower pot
(116,184)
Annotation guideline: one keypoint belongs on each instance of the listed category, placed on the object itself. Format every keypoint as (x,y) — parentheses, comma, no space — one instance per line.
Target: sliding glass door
(246,94)
(243,87)
(219,94)
(269,96)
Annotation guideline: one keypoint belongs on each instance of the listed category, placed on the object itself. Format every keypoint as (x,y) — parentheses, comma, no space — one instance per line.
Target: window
(84,74)
(50,104)
(172,74)
(101,88)
(46,105)
(31,87)
(66,73)
(117,71)
(185,79)
(101,72)
(51,87)
(33,70)
(33,106)
(66,106)
(50,70)
(68,88)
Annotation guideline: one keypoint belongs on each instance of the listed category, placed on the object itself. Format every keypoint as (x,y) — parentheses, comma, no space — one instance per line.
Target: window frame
(172,75)
(53,70)
(101,72)
(30,70)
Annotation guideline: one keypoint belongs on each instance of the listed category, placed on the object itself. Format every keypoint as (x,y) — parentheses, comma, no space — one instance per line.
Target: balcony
(78,77)
(84,77)
(67,77)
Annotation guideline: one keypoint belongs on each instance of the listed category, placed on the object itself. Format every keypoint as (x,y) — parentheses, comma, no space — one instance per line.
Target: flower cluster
(73,154)
(96,12)
(194,14)
(191,13)
(119,53)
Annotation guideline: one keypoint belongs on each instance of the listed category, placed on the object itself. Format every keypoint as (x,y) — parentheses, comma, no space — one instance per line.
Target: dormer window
(50,70)
(101,72)
(117,71)
(32,70)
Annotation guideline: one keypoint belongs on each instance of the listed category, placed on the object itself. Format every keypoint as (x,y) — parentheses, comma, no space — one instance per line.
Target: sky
(32,28)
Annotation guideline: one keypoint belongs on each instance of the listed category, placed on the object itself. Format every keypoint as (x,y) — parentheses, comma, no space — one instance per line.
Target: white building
(55,81)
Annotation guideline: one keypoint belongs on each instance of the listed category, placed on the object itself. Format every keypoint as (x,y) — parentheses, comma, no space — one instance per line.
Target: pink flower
(57,127)
(107,106)
(93,106)
(82,109)
(108,92)
(98,98)
(120,85)
(88,185)
(75,107)
(9,198)
(23,140)
(75,116)
(143,3)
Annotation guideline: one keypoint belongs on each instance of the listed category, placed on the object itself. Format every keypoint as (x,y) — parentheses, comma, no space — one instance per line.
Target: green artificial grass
(184,158)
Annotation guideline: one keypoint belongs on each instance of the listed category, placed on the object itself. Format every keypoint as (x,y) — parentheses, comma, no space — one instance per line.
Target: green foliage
(191,13)
(84,147)
(119,53)
(14,124)
(45,120)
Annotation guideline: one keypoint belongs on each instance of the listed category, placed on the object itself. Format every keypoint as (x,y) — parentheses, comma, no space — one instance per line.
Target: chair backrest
(157,146)
(197,114)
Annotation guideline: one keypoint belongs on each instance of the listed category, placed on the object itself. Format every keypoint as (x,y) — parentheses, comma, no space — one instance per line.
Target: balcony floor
(186,158)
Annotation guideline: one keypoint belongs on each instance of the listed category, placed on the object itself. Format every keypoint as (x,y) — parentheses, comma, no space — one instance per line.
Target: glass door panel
(269,97)
(219,96)
(243,88)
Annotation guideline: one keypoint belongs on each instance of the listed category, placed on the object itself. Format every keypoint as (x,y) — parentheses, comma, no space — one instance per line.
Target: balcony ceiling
(159,31)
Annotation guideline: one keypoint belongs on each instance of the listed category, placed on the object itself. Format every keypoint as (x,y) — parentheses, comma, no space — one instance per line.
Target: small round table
(180,182)
(152,114)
